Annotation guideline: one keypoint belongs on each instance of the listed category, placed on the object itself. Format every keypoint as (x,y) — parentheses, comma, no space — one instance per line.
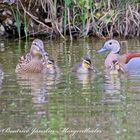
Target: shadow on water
(67,106)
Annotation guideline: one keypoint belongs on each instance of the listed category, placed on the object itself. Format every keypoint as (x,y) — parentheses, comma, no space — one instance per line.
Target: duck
(51,67)
(32,62)
(124,63)
(84,67)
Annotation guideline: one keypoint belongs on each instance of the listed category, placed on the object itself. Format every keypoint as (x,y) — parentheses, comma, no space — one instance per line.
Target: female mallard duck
(32,62)
(125,62)
(84,66)
(51,67)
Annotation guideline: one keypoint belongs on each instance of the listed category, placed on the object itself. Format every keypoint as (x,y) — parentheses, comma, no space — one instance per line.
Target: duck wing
(129,56)
(29,65)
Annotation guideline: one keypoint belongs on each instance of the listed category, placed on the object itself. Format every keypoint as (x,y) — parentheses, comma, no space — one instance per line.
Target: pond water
(67,106)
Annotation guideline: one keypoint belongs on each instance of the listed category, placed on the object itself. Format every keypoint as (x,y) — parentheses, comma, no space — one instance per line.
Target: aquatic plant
(78,18)
(16,15)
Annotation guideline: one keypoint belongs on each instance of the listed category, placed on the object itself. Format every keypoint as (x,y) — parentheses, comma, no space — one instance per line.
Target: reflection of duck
(32,62)
(112,90)
(126,62)
(84,66)
(84,79)
(37,85)
(34,86)
(52,80)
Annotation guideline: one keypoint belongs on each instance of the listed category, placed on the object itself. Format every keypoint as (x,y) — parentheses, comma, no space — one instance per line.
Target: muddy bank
(74,19)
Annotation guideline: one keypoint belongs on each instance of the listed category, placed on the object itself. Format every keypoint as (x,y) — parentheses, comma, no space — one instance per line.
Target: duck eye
(50,63)
(110,43)
(87,62)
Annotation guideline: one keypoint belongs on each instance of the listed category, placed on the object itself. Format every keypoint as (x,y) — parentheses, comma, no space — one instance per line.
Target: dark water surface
(67,106)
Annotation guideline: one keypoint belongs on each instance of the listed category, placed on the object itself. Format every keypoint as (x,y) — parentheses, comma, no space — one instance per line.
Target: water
(68,106)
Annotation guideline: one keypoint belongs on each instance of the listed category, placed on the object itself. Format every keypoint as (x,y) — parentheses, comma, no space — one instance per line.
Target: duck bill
(45,55)
(93,68)
(102,50)
(122,69)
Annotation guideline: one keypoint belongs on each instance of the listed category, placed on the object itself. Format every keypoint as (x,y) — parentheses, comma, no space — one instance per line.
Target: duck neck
(110,58)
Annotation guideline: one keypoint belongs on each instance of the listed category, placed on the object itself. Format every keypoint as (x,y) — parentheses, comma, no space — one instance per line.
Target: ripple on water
(109,103)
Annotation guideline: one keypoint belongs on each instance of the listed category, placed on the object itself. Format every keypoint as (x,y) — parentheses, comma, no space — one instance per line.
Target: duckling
(84,67)
(51,67)
(32,62)
(115,68)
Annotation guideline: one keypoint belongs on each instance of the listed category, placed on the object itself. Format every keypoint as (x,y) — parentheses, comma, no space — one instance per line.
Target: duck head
(52,68)
(116,67)
(46,55)
(50,64)
(37,48)
(111,45)
(86,64)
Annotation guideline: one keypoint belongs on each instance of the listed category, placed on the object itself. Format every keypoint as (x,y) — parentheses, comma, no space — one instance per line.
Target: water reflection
(112,89)
(38,85)
(2,47)
(35,85)
(1,76)
(110,103)
(134,81)
(84,79)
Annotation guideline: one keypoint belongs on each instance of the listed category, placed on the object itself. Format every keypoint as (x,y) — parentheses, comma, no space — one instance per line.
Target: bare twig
(36,19)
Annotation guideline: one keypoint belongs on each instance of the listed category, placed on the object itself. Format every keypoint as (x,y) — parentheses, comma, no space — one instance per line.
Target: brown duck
(32,62)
